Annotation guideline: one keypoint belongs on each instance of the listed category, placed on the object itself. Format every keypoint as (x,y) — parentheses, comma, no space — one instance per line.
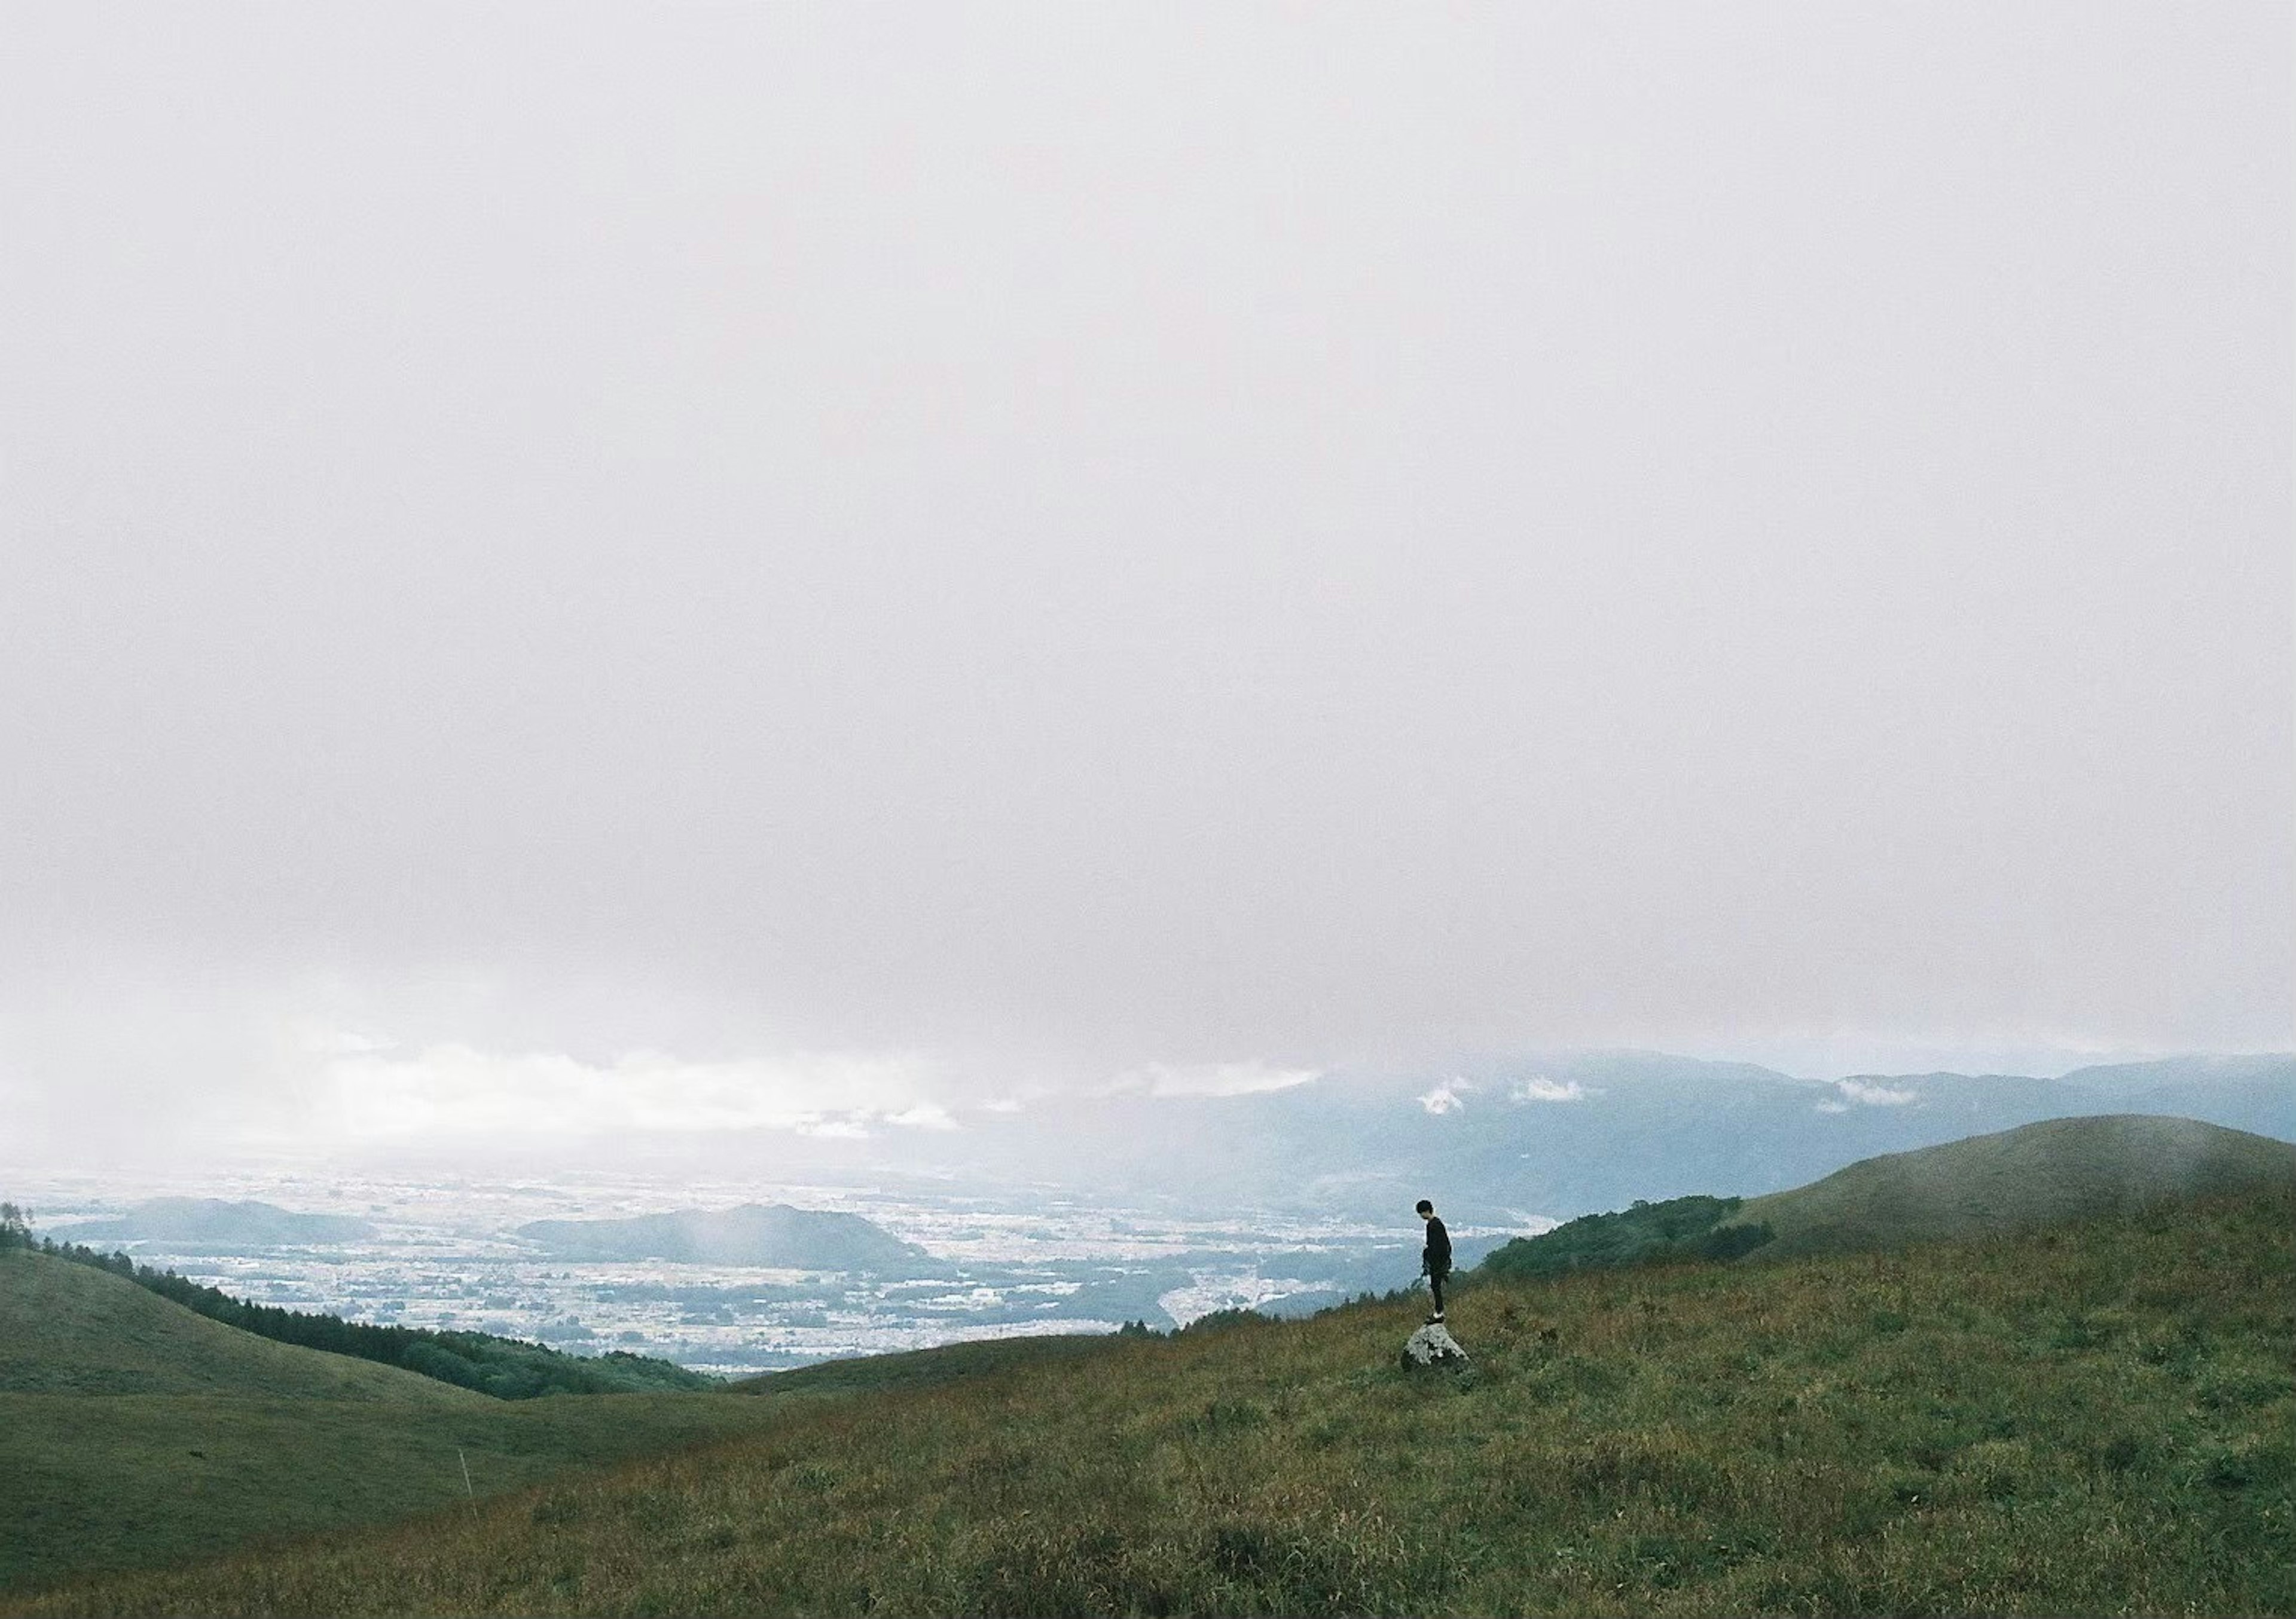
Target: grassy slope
(925,1368)
(68,1329)
(2096,1419)
(135,1433)
(2035,1176)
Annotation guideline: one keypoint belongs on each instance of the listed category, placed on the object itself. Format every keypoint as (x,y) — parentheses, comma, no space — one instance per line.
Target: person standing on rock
(1435,1259)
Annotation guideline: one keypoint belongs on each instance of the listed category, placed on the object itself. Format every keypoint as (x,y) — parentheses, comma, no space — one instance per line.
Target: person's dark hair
(1426,1207)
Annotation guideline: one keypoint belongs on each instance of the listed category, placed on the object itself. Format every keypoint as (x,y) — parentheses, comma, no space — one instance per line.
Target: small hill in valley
(216,1222)
(775,1236)
(212,1222)
(67,1328)
(2034,1175)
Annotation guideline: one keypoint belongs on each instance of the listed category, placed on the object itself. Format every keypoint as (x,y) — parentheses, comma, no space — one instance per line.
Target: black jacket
(1435,1256)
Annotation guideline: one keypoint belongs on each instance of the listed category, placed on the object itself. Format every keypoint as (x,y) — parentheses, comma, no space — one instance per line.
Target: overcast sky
(854,557)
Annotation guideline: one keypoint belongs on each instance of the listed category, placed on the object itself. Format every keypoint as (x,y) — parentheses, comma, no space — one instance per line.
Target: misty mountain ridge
(1498,1140)
(1557,1135)
(187,1225)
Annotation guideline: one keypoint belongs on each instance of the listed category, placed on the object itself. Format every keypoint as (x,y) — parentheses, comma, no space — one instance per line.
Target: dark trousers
(1435,1279)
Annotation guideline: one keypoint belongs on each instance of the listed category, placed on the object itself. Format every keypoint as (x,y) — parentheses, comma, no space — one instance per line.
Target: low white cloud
(1831,1106)
(1875,1096)
(924,1115)
(460,1090)
(323,1039)
(1541,1089)
(833,1129)
(1211,1079)
(1444,1098)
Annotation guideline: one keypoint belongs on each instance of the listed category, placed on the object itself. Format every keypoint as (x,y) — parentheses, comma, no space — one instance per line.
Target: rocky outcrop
(1432,1346)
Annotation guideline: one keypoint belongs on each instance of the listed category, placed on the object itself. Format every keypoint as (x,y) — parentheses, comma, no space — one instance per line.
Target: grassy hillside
(925,1368)
(2100,1419)
(68,1329)
(2017,1179)
(135,1433)
(2035,1176)
(509,1369)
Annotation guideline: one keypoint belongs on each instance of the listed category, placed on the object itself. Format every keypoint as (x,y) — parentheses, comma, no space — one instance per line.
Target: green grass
(135,1433)
(2100,1419)
(129,1481)
(925,1368)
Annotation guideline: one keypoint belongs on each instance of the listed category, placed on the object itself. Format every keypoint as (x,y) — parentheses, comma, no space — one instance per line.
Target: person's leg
(1435,1286)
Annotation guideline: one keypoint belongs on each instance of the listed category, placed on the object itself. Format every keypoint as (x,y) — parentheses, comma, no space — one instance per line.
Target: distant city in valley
(446,1254)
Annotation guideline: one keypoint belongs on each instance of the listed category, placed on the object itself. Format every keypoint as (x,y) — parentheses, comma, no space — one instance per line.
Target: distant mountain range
(771,1235)
(1500,1140)
(194,1223)
(1497,1142)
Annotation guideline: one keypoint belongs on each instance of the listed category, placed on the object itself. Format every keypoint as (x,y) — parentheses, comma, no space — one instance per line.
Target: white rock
(1433,1346)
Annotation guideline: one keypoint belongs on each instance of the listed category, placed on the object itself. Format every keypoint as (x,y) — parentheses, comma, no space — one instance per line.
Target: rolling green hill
(133,1432)
(509,1369)
(2035,1176)
(68,1329)
(2100,1419)
(2016,1180)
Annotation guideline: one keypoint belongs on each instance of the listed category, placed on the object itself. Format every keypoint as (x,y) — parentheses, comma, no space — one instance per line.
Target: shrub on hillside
(1224,1321)
(1677,1228)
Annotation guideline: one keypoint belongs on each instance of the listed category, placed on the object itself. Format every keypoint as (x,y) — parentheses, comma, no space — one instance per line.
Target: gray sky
(867,556)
